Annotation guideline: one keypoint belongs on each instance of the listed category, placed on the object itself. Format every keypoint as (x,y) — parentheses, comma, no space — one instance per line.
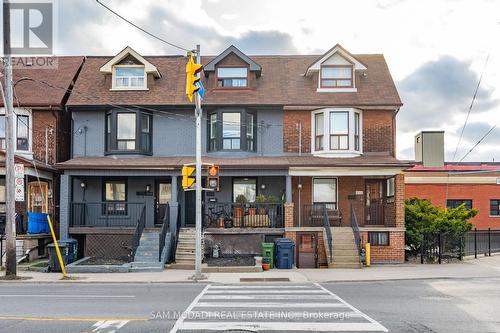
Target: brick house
(447,184)
(301,141)
(42,131)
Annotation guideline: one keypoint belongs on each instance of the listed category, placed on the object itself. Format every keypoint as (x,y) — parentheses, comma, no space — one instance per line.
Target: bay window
(341,127)
(232,130)
(128,132)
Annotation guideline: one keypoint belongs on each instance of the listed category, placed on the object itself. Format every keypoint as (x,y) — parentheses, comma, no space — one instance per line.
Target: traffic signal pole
(198,186)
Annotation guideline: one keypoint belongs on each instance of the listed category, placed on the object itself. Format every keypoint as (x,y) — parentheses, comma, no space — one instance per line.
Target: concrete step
(190,257)
(146,257)
(145,269)
(145,264)
(344,252)
(345,258)
(345,265)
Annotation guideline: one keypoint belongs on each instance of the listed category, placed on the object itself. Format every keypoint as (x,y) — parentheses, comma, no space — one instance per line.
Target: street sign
(188,177)
(19,182)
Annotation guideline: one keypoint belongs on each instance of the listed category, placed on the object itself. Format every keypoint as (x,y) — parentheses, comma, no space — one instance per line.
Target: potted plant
(261,199)
(266,263)
(240,201)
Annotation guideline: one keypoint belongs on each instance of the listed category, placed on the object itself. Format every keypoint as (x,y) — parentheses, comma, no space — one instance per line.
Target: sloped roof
(282,83)
(210,66)
(36,94)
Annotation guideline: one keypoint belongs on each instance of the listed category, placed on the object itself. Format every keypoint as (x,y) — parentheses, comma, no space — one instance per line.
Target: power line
(470,106)
(143,30)
(480,140)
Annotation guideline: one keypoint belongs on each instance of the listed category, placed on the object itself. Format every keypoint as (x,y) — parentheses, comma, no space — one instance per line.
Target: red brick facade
(393,253)
(480,194)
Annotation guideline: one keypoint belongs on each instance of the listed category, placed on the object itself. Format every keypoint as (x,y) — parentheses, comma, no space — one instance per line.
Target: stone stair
(146,257)
(345,252)
(186,247)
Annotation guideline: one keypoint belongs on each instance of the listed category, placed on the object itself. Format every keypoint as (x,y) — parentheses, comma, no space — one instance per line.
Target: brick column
(289,215)
(399,200)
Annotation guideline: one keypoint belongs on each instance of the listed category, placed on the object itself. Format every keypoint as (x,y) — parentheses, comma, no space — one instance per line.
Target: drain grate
(278,279)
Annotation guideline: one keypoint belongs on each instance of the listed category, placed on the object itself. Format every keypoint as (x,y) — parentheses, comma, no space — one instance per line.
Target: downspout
(46,145)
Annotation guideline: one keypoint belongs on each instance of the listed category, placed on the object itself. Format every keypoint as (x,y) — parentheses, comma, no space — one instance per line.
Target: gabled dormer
(336,70)
(232,69)
(129,70)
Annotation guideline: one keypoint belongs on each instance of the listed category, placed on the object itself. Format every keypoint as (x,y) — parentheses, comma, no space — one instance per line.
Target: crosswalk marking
(108,326)
(284,308)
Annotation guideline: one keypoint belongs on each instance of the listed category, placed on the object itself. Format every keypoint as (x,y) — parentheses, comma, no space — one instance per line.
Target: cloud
(437,96)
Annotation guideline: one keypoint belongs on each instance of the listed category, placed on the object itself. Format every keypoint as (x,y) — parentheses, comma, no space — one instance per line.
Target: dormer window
(342,130)
(336,76)
(232,77)
(129,77)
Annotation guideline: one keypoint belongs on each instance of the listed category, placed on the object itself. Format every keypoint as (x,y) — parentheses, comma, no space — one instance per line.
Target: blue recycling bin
(285,249)
(38,223)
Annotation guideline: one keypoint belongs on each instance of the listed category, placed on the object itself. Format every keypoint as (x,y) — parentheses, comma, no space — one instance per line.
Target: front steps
(186,247)
(345,251)
(146,257)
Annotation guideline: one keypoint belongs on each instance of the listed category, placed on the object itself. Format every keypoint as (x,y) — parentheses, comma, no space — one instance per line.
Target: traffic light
(213,177)
(192,80)
(188,178)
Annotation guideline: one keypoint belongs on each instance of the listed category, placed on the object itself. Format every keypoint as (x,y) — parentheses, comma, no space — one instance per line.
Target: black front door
(190,208)
(163,195)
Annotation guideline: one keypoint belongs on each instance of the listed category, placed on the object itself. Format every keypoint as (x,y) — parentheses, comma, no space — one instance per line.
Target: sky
(436,50)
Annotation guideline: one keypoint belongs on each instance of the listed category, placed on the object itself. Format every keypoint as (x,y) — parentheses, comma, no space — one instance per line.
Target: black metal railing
(355,229)
(164,228)
(328,230)
(105,214)
(482,242)
(375,214)
(136,237)
(235,215)
(312,215)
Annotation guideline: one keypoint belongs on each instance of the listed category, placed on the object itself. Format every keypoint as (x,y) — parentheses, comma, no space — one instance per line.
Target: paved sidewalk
(482,267)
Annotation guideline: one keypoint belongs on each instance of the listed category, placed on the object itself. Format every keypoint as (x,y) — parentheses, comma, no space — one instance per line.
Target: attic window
(334,76)
(232,77)
(129,77)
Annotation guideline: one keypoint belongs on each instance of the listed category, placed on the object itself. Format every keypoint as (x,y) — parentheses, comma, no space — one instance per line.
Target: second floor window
(339,130)
(128,132)
(129,77)
(231,130)
(21,132)
(232,77)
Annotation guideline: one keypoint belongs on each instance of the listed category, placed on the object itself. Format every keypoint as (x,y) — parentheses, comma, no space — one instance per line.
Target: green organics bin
(268,251)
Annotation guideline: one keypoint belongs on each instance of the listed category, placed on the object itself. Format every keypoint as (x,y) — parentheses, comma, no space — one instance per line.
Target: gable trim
(253,66)
(316,65)
(148,67)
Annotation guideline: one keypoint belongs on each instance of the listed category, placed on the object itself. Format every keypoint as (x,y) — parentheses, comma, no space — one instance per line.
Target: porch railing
(355,229)
(136,238)
(106,214)
(312,215)
(328,230)
(235,215)
(164,228)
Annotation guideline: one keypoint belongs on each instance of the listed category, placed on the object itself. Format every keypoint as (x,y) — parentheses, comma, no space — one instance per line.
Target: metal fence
(437,247)
(106,214)
(251,215)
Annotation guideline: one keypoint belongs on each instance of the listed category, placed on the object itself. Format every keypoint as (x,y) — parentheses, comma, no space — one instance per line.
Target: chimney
(429,148)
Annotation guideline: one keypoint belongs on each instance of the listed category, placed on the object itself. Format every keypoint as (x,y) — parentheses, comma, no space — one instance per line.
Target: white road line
(276,313)
(269,305)
(310,287)
(280,326)
(180,321)
(264,297)
(265,292)
(371,320)
(108,326)
(69,296)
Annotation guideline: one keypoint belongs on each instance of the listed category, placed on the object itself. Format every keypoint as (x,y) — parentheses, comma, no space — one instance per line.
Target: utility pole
(198,187)
(10,228)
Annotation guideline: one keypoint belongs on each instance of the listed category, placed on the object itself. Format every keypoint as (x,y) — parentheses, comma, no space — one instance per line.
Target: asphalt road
(454,305)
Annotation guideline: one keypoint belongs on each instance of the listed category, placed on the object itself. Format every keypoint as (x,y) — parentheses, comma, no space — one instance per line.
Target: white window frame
(22,112)
(327,152)
(336,189)
(113,79)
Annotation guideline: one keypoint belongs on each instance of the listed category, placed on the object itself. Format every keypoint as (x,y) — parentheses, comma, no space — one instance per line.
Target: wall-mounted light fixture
(148,188)
(262,186)
(299,186)
(83,185)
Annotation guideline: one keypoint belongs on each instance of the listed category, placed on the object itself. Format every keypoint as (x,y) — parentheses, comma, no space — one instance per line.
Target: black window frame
(495,207)
(454,203)
(217,143)
(110,133)
(19,139)
(111,207)
(374,240)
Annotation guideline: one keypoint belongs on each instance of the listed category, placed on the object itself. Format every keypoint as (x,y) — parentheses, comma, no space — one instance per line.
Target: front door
(163,195)
(307,250)
(374,202)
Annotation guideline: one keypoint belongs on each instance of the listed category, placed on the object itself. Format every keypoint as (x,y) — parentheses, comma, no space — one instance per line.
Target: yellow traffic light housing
(192,69)
(188,178)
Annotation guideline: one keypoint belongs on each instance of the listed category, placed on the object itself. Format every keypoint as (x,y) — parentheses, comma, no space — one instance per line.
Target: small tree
(422,217)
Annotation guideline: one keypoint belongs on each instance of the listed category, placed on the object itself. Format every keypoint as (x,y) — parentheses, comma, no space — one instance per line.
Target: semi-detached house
(303,142)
